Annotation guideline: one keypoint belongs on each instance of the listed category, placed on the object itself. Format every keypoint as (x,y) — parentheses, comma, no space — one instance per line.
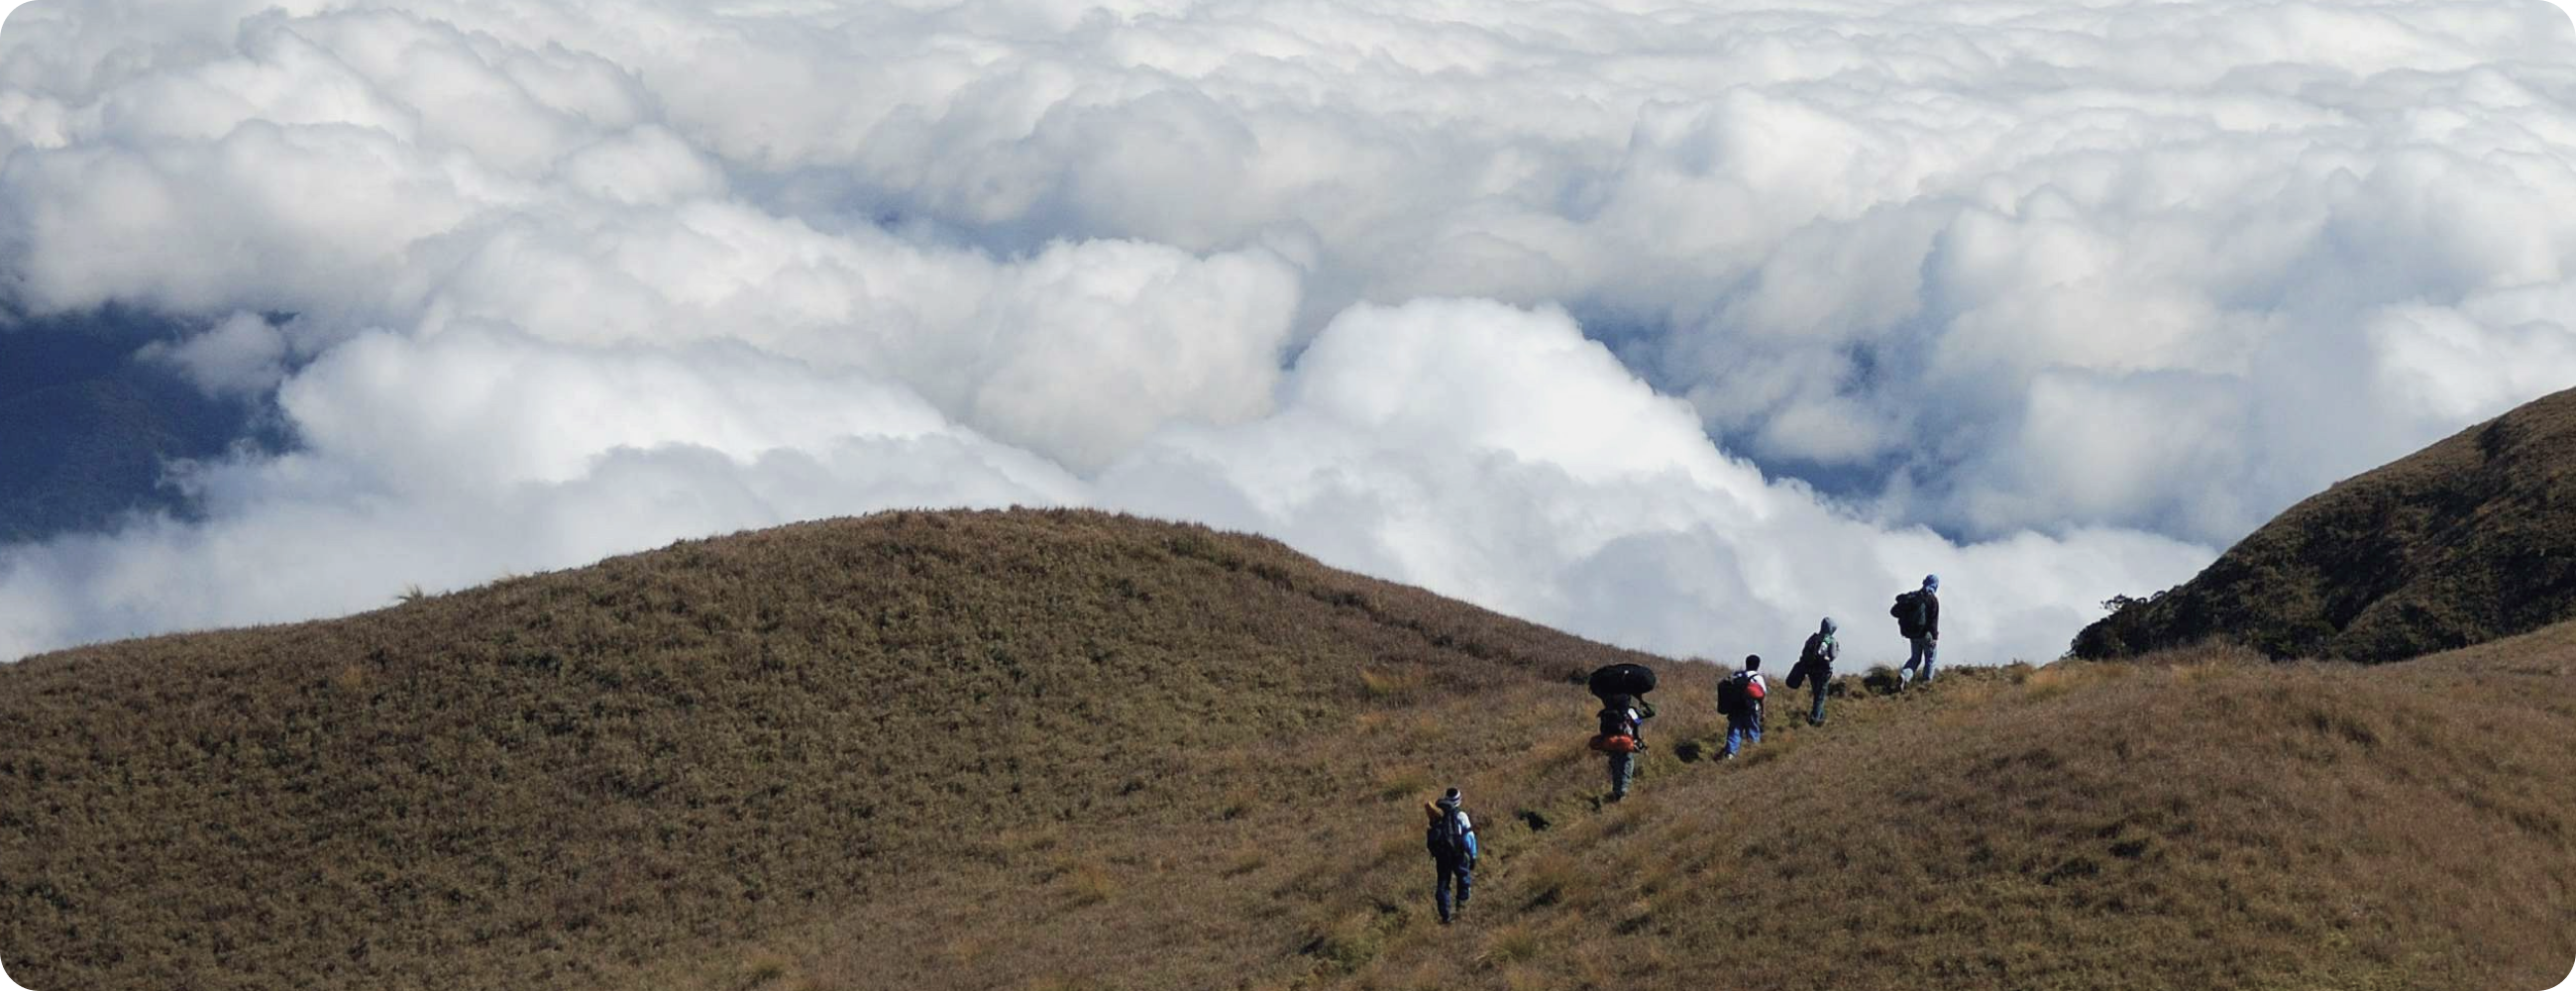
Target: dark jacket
(1927,615)
(1820,653)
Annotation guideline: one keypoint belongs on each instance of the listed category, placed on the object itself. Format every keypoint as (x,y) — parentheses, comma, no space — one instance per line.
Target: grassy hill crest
(1054,750)
(2470,539)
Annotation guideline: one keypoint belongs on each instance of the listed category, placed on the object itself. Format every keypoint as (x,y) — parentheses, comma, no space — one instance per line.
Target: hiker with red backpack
(1815,667)
(1451,838)
(1918,618)
(1739,699)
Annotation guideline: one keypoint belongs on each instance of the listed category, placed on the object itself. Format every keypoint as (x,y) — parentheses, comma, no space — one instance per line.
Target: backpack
(1738,695)
(1908,612)
(1445,840)
(1615,743)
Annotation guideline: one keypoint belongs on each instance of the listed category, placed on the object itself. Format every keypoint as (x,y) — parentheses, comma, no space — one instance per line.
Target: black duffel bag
(1623,679)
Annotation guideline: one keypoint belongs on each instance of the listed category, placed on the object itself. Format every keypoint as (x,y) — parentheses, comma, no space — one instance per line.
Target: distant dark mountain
(87,430)
(2468,540)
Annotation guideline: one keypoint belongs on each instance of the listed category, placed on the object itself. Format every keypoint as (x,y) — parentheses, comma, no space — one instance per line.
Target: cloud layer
(1675,325)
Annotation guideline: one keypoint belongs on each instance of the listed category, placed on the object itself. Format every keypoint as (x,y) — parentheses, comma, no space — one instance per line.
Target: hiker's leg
(1440,886)
(1734,734)
(1930,647)
(1466,881)
(1816,714)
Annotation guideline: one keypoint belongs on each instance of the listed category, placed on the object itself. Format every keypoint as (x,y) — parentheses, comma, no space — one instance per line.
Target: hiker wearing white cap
(1451,838)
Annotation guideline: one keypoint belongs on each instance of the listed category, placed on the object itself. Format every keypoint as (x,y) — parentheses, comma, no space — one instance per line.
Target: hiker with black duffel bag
(1918,617)
(1622,736)
(1815,668)
(1624,711)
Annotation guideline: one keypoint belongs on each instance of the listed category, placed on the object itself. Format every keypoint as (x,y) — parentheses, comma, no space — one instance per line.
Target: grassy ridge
(2207,821)
(2470,539)
(1066,750)
(561,777)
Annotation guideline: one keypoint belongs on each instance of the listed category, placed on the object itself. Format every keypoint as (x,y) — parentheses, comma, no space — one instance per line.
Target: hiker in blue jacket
(1918,618)
(1451,838)
(1815,667)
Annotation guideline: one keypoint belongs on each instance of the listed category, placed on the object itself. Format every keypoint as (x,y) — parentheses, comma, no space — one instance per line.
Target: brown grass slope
(2470,539)
(722,767)
(2206,820)
(2210,820)
(558,780)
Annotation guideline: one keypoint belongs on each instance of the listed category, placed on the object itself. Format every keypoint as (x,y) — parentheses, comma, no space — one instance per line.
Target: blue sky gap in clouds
(2053,300)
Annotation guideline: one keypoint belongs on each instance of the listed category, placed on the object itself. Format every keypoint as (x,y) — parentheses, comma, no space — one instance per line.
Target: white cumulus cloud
(1678,325)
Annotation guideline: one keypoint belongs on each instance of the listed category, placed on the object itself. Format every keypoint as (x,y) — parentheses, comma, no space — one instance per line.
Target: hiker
(1918,618)
(1739,699)
(1815,667)
(1623,737)
(1451,838)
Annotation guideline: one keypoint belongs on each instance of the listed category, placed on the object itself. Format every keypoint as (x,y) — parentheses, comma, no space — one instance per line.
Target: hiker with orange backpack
(1623,725)
(1451,838)
(1739,699)
(1622,689)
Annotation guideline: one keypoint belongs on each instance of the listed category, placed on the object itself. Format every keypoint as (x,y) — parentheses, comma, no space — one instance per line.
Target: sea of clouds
(1673,324)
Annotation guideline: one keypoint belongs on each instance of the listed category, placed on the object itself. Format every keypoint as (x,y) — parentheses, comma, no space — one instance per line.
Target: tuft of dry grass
(765,968)
(1089,884)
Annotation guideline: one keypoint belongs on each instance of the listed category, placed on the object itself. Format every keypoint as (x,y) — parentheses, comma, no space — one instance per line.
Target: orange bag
(1620,744)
